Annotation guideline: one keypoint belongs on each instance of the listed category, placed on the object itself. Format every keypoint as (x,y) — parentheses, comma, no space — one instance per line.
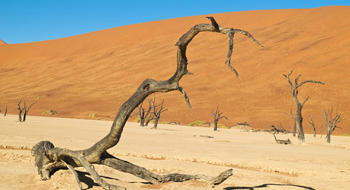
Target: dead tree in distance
(312,123)
(157,111)
(25,110)
(145,115)
(20,110)
(281,141)
(294,122)
(331,123)
(294,91)
(49,158)
(217,115)
(5,113)
(150,116)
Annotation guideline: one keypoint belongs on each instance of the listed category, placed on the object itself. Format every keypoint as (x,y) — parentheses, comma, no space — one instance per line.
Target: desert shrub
(92,115)
(49,112)
(222,126)
(196,123)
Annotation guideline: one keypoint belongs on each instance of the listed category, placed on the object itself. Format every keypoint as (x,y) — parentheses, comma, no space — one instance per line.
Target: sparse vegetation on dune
(196,123)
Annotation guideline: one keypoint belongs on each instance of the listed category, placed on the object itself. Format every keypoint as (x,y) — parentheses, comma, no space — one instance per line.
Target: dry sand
(94,73)
(254,156)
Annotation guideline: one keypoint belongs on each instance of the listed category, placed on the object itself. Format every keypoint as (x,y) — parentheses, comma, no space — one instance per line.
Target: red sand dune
(95,73)
(2,42)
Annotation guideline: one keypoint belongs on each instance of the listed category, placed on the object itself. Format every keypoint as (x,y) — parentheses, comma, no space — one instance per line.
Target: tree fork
(49,158)
(294,89)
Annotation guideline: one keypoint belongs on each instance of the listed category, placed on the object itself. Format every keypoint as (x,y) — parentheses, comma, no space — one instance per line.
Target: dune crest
(2,42)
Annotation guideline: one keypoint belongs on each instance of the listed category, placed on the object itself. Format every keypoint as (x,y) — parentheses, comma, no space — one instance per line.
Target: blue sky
(37,20)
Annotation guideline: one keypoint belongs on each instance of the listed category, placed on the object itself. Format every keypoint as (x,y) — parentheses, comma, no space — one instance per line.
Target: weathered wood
(274,129)
(49,158)
(281,141)
(157,111)
(217,115)
(331,123)
(145,115)
(75,174)
(5,113)
(312,123)
(299,105)
(25,110)
(20,110)
(143,173)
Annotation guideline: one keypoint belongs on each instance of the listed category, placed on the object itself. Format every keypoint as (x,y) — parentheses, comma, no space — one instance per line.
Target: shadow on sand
(85,178)
(269,184)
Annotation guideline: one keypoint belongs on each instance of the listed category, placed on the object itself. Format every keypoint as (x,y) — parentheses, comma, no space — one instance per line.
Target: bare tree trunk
(24,110)
(328,137)
(215,124)
(294,128)
(156,122)
(141,114)
(157,111)
(145,116)
(49,158)
(20,110)
(294,122)
(5,113)
(217,115)
(299,122)
(313,126)
(331,123)
(299,106)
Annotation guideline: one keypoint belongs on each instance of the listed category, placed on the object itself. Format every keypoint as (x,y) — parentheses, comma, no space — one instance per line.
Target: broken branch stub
(49,158)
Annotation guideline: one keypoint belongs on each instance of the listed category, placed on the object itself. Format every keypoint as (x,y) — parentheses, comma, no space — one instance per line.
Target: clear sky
(37,20)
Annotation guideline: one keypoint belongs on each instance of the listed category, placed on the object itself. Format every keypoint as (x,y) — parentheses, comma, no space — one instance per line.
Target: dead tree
(217,115)
(294,91)
(312,123)
(331,123)
(274,129)
(157,111)
(280,141)
(145,115)
(294,122)
(49,158)
(25,110)
(20,110)
(150,115)
(5,113)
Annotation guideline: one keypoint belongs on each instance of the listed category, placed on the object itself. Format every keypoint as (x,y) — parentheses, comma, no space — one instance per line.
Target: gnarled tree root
(49,159)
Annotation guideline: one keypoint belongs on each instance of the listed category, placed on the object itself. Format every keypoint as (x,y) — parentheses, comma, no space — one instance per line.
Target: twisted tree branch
(49,158)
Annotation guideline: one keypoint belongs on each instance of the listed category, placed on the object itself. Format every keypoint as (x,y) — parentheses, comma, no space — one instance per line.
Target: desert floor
(257,161)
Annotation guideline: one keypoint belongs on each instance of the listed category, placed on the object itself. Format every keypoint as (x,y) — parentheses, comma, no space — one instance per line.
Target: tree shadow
(269,184)
(84,177)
